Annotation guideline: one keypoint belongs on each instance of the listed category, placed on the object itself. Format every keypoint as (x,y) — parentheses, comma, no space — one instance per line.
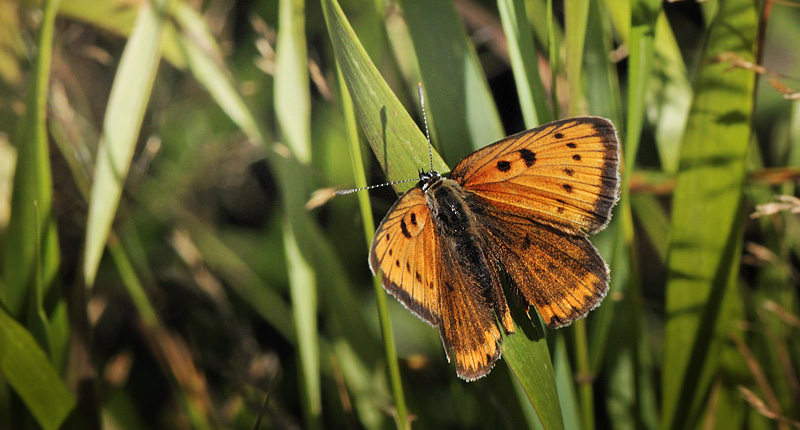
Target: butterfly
(517,210)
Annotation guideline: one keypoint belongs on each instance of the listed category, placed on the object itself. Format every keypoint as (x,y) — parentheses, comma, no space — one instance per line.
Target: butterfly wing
(404,250)
(468,326)
(431,279)
(562,275)
(563,174)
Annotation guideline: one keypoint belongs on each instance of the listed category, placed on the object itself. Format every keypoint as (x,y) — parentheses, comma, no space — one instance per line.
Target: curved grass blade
(293,114)
(461,110)
(27,369)
(706,231)
(576,14)
(524,63)
(528,357)
(397,142)
(27,258)
(126,106)
(401,413)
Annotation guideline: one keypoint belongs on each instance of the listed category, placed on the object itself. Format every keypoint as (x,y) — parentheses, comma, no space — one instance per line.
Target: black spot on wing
(503,166)
(572,145)
(576,157)
(528,156)
(526,243)
(559,136)
(560,209)
(404,228)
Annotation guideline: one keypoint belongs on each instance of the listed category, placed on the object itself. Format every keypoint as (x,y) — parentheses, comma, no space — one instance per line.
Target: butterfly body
(518,209)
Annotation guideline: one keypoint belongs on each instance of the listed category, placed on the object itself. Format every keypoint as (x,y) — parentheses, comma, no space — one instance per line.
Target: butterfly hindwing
(403,249)
(468,326)
(562,275)
(562,174)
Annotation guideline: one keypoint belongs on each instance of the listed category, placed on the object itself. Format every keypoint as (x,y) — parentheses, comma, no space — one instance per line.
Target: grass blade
(576,14)
(401,415)
(126,107)
(291,80)
(528,357)
(524,63)
(33,186)
(293,116)
(461,110)
(398,144)
(706,219)
(26,368)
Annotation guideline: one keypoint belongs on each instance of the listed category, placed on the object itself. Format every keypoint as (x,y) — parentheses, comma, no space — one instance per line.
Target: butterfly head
(426,179)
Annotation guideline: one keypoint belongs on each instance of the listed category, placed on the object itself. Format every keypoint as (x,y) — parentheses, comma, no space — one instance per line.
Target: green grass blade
(31,201)
(565,382)
(26,368)
(293,115)
(302,284)
(398,144)
(576,13)
(126,107)
(670,95)
(461,110)
(554,43)
(204,58)
(401,414)
(292,98)
(524,63)
(528,357)
(602,81)
(706,218)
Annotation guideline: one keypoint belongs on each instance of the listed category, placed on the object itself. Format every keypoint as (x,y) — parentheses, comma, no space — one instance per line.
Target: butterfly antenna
(425,121)
(430,152)
(355,190)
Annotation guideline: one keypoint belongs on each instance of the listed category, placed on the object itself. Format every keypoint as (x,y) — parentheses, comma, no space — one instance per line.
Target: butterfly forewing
(404,250)
(563,174)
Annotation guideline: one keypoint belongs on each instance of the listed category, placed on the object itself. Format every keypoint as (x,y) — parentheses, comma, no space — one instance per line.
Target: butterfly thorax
(458,228)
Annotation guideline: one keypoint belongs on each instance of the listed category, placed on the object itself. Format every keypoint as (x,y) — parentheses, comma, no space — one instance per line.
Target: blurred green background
(171,256)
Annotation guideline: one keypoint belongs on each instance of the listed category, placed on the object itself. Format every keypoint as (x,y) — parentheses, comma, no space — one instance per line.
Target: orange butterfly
(519,208)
